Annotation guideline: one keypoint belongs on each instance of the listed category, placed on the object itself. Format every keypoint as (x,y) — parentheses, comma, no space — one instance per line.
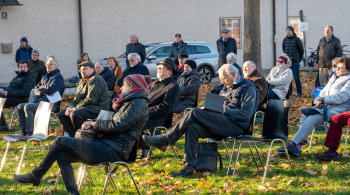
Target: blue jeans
(295,69)
(67,150)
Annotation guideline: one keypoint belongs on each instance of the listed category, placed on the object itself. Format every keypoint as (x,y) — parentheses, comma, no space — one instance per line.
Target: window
(198,49)
(162,52)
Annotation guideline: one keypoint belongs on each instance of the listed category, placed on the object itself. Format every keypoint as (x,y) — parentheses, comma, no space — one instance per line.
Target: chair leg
(235,166)
(21,160)
(113,171)
(257,152)
(3,160)
(13,113)
(231,156)
(80,175)
(251,152)
(345,143)
(312,137)
(226,148)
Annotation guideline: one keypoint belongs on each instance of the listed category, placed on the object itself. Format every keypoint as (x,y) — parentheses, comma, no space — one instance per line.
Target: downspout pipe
(80,28)
(274,29)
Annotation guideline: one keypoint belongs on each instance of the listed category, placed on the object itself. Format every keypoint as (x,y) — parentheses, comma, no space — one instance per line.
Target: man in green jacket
(91,97)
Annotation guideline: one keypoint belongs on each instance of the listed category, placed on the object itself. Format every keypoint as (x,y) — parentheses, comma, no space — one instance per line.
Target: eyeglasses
(50,64)
(281,61)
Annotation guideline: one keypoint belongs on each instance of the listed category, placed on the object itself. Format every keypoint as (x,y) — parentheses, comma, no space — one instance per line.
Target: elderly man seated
(333,99)
(241,100)
(18,91)
(106,74)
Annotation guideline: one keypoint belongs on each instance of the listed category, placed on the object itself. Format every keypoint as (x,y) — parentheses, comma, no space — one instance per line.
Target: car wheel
(206,74)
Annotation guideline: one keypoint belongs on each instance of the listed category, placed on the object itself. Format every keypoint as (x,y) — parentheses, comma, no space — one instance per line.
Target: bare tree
(252,32)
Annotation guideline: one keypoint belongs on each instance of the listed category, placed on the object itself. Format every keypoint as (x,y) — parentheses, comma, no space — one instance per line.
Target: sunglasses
(281,61)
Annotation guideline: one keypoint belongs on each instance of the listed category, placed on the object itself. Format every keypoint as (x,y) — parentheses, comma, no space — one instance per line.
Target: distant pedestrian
(225,46)
(328,48)
(135,47)
(179,46)
(24,51)
(293,47)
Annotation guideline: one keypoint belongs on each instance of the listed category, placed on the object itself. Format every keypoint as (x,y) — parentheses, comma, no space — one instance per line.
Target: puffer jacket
(23,53)
(336,95)
(279,79)
(124,128)
(326,51)
(189,84)
(20,86)
(293,47)
(178,48)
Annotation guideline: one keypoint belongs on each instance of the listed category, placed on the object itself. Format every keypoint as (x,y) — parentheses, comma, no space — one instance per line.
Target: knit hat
(290,28)
(283,58)
(24,39)
(231,57)
(192,64)
(138,82)
(178,35)
(182,55)
(169,64)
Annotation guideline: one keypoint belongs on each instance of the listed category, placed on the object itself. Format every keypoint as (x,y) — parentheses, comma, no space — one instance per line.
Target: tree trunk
(252,32)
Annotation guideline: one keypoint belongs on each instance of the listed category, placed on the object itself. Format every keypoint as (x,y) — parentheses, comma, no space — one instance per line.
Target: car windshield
(148,48)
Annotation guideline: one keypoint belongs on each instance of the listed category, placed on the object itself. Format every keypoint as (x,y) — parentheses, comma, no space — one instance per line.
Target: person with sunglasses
(280,78)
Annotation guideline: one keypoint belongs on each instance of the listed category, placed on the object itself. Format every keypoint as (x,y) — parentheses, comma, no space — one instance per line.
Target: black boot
(159,142)
(27,178)
(187,171)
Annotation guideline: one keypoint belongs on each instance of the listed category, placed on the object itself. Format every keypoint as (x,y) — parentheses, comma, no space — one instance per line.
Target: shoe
(27,178)
(300,95)
(159,142)
(185,172)
(281,150)
(294,151)
(4,128)
(144,154)
(328,156)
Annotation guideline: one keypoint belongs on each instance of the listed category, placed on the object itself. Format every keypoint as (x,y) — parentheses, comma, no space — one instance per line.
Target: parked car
(205,55)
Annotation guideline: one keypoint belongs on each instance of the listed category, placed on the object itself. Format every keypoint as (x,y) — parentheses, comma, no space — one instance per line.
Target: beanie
(192,64)
(24,39)
(284,59)
(290,28)
(138,82)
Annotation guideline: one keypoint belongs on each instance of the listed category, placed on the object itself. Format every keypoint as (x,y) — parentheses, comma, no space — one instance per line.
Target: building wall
(52,26)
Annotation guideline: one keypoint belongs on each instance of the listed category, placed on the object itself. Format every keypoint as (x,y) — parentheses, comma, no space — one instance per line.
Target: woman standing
(113,64)
(24,51)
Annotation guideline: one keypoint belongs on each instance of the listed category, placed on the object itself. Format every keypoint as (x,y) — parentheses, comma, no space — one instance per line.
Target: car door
(161,53)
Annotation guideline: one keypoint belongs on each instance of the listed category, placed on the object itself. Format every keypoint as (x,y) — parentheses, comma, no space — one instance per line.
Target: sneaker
(185,172)
(294,151)
(281,149)
(328,156)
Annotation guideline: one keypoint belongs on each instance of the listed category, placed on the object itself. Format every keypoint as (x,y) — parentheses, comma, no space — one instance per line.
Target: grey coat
(279,79)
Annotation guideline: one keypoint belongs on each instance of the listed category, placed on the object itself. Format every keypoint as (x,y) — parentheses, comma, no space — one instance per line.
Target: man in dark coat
(240,104)
(135,47)
(18,90)
(35,66)
(136,67)
(225,46)
(329,48)
(293,47)
(92,96)
(178,46)
(106,74)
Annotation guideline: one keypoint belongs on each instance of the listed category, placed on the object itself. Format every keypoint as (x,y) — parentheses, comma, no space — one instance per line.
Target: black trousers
(197,124)
(67,150)
(76,118)
(10,101)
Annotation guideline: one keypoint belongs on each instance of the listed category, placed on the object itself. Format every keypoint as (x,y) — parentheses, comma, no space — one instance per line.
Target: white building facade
(53,27)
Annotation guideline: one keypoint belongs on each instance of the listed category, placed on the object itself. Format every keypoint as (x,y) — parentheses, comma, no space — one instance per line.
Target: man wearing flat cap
(225,46)
(91,97)
(179,46)
(163,96)
(180,61)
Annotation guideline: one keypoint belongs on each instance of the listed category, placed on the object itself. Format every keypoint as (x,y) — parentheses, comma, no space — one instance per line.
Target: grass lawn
(153,175)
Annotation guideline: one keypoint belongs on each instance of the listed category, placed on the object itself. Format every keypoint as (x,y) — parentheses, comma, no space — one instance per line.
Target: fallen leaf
(270,184)
(144,184)
(311,172)
(324,170)
(261,188)
(206,174)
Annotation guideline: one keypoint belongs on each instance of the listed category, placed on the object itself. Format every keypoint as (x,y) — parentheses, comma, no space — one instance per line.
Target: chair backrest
(41,120)
(275,124)
(105,115)
(2,103)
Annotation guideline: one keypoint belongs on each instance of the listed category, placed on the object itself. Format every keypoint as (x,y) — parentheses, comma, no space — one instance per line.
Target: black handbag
(208,157)
(86,134)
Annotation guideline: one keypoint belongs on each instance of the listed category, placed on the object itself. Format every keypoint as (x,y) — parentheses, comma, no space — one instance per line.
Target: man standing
(328,48)
(107,74)
(293,47)
(18,90)
(92,96)
(51,83)
(225,46)
(135,47)
(36,66)
(240,104)
(136,67)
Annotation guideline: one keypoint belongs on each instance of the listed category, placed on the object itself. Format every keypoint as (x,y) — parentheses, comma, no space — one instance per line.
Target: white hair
(228,69)
(52,58)
(134,35)
(249,63)
(135,55)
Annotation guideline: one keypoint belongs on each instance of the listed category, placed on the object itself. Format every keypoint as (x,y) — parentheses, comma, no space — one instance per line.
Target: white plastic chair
(41,128)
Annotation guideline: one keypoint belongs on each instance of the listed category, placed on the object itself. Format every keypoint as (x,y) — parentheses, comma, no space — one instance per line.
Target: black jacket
(177,48)
(20,86)
(189,84)
(260,83)
(124,128)
(163,97)
(49,84)
(293,47)
(35,67)
(138,69)
(109,77)
(224,48)
(326,51)
(138,48)
(41,73)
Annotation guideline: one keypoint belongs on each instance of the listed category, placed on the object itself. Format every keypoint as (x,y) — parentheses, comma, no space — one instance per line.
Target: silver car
(203,53)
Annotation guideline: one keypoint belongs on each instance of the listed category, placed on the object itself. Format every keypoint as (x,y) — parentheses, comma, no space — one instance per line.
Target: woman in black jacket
(189,84)
(120,133)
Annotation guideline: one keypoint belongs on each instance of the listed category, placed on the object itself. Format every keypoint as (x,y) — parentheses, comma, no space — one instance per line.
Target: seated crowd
(141,104)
